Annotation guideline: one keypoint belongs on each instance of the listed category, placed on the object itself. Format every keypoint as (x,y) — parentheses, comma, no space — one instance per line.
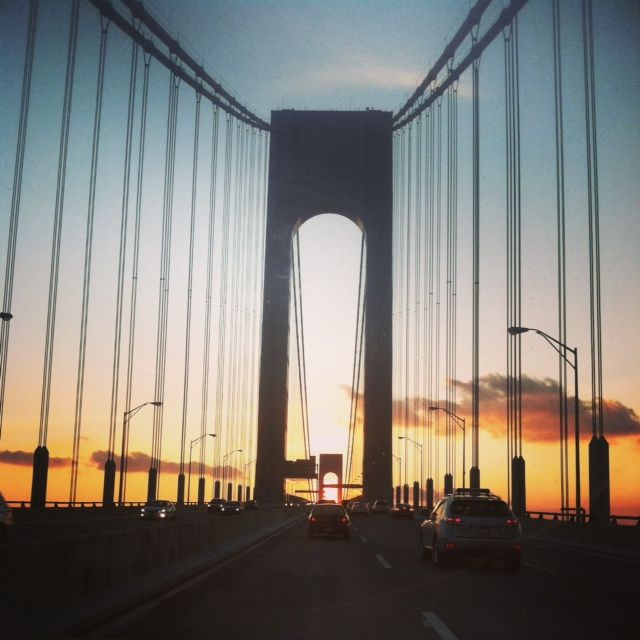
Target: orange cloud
(139,462)
(25,459)
(540,417)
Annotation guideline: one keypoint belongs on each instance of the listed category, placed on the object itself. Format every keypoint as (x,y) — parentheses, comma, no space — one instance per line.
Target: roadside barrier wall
(620,538)
(62,570)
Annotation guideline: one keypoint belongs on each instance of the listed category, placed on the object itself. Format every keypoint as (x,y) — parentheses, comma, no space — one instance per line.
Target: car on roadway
(251,505)
(328,518)
(231,508)
(402,510)
(158,510)
(471,523)
(6,521)
(380,508)
(360,509)
(215,505)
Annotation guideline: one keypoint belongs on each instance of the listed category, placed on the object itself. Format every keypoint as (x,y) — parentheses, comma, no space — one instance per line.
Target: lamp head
(515,331)
(433,408)
(213,435)
(156,403)
(5,316)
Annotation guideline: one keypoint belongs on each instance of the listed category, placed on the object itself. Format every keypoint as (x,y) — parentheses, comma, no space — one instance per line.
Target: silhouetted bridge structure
(233,249)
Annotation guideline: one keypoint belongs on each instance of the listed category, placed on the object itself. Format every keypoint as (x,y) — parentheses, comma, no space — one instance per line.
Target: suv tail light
(312,519)
(343,519)
(455,520)
(512,522)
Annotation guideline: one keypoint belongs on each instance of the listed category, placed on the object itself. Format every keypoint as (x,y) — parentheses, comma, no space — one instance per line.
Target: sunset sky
(324,54)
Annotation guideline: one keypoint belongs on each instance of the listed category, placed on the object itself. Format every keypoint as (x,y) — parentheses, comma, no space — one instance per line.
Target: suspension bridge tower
(328,162)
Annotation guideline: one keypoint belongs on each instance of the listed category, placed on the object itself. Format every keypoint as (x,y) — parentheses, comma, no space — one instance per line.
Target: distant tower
(328,162)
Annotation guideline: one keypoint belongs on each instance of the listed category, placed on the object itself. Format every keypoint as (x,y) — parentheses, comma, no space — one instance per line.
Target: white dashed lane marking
(383,562)
(430,619)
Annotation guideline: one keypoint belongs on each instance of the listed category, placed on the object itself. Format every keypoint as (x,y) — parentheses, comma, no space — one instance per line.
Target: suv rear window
(329,510)
(479,508)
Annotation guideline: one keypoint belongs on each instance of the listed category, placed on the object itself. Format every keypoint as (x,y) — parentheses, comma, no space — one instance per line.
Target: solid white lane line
(430,619)
(363,539)
(537,567)
(382,561)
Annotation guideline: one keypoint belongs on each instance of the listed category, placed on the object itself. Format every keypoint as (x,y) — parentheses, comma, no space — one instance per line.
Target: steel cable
(86,282)
(16,194)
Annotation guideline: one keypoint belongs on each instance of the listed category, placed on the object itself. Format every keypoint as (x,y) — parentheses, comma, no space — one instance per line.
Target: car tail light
(312,519)
(455,520)
(512,522)
(343,519)
(450,546)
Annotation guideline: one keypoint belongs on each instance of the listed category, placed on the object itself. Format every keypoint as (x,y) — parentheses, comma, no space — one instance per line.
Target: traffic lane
(557,592)
(291,587)
(376,585)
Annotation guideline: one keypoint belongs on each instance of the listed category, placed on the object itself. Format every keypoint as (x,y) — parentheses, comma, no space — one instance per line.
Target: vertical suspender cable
(475,399)
(209,279)
(417,302)
(594,223)
(57,225)
(355,371)
(93,173)
(561,246)
(224,266)
(122,250)
(163,286)
(407,309)
(15,196)
(135,261)
(437,230)
(187,341)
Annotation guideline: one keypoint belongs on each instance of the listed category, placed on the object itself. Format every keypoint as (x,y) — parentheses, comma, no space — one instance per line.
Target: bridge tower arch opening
(319,161)
(325,339)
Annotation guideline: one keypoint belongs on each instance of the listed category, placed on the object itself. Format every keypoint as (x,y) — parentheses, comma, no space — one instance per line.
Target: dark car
(328,518)
(380,508)
(402,510)
(158,510)
(359,509)
(215,505)
(471,523)
(251,505)
(233,507)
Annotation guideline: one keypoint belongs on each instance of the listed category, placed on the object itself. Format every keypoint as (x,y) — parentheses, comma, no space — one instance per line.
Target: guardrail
(583,517)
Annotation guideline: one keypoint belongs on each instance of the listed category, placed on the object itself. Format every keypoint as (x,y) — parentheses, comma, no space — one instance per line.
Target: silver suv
(471,523)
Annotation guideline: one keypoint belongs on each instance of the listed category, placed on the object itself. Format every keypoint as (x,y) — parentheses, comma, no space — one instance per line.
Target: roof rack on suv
(474,492)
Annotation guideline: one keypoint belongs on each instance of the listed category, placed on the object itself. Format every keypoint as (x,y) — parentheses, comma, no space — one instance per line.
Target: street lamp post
(460,422)
(224,457)
(125,432)
(417,444)
(213,435)
(562,349)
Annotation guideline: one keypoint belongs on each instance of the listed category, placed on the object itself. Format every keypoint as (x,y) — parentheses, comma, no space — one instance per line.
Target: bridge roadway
(374,586)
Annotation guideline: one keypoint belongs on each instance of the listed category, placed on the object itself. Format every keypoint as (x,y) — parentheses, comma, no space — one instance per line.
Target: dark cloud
(25,459)
(139,462)
(540,421)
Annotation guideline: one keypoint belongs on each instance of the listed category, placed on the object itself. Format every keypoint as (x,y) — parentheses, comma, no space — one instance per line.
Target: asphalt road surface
(375,586)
